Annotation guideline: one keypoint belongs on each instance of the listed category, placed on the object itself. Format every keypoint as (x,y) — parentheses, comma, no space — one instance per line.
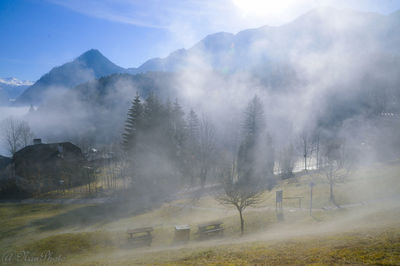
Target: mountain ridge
(261,49)
(88,66)
(223,41)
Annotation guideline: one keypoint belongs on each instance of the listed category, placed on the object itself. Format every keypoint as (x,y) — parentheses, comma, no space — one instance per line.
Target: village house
(43,167)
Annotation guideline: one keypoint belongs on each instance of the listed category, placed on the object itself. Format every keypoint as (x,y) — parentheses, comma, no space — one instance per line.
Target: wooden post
(311,188)
(278,205)
(279,199)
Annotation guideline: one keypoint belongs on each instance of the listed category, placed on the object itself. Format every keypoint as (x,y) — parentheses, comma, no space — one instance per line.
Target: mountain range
(315,31)
(325,68)
(271,53)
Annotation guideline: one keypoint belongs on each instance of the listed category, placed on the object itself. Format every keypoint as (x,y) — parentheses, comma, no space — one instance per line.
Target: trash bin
(182,233)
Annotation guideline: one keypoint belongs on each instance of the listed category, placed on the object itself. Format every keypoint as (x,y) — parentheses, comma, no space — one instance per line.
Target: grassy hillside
(366,230)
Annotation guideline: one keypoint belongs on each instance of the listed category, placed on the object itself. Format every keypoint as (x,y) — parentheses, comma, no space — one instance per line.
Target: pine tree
(254,118)
(133,124)
(193,126)
(178,123)
(152,112)
(252,129)
(255,157)
(192,146)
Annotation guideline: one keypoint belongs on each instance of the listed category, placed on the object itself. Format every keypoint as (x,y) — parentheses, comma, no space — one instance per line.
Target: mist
(310,76)
(311,104)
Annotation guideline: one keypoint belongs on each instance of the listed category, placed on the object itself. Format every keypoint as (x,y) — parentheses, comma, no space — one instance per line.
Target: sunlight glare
(262,7)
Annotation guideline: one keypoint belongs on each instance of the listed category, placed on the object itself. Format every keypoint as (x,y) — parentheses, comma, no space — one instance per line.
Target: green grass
(96,234)
(70,243)
(375,246)
(353,248)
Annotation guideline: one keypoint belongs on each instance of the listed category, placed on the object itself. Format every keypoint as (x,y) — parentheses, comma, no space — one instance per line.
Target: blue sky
(37,35)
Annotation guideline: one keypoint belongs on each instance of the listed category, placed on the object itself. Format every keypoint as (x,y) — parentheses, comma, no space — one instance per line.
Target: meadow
(365,230)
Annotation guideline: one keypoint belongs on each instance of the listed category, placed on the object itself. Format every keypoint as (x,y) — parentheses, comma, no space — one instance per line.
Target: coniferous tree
(152,112)
(133,124)
(192,146)
(255,157)
(193,126)
(179,132)
(252,129)
(179,123)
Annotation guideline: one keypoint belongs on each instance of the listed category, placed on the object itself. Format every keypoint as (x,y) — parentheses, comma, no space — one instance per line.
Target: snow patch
(15,82)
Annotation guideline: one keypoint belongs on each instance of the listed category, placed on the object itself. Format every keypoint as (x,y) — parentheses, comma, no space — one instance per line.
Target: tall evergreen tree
(255,159)
(152,112)
(133,124)
(252,129)
(254,121)
(192,146)
(178,123)
(192,126)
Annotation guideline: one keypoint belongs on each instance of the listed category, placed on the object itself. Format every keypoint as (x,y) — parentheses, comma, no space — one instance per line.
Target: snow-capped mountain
(11,88)
(15,82)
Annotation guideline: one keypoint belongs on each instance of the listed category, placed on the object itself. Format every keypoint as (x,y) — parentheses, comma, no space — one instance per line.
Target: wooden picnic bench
(210,229)
(140,236)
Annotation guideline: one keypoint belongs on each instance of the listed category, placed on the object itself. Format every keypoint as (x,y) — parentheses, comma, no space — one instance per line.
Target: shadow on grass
(88,215)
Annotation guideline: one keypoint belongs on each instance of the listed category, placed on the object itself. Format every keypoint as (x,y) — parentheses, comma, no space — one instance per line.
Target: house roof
(48,152)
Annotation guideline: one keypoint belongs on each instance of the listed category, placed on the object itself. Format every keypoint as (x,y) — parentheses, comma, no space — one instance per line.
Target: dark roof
(48,152)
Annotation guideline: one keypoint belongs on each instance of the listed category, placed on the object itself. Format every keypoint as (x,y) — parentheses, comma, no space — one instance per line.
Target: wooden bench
(140,236)
(210,229)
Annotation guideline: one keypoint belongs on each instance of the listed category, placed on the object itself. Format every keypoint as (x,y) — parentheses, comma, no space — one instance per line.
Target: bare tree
(316,145)
(26,134)
(306,148)
(338,164)
(10,134)
(238,194)
(287,160)
(16,134)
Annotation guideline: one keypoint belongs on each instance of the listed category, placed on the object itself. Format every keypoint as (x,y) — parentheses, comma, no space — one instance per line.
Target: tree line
(166,149)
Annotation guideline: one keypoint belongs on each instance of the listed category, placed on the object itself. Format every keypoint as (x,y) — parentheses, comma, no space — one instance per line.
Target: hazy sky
(38,35)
